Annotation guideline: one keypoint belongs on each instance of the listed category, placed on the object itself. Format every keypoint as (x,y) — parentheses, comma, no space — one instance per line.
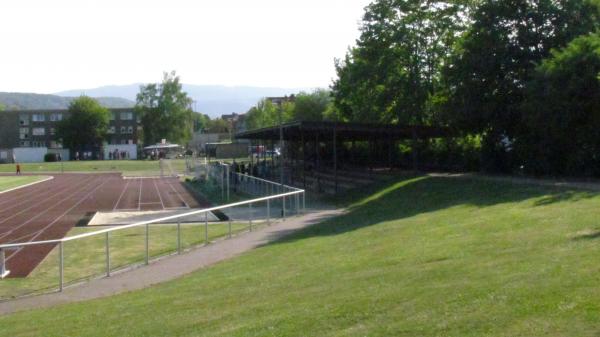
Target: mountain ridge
(33,101)
(213,100)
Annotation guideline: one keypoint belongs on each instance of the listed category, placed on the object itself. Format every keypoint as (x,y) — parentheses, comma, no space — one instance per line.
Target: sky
(50,46)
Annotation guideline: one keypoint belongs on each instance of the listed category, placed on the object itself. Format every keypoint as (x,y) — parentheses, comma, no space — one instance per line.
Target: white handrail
(142,223)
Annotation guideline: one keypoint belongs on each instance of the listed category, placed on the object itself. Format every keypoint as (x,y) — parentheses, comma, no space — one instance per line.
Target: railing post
(297,203)
(250,216)
(206,228)
(229,220)
(107,250)
(304,202)
(146,248)
(283,208)
(178,236)
(60,266)
(269,212)
(3,271)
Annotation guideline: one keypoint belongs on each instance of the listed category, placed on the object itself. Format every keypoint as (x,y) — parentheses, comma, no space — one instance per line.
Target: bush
(50,157)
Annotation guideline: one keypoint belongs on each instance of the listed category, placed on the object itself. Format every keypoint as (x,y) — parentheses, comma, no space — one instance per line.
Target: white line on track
(159,196)
(140,196)
(179,195)
(11,230)
(121,196)
(26,197)
(62,215)
(26,185)
(75,188)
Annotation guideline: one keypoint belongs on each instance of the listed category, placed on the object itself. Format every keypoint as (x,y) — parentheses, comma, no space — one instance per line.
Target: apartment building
(36,129)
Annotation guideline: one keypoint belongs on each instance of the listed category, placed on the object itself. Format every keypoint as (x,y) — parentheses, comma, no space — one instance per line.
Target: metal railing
(60,242)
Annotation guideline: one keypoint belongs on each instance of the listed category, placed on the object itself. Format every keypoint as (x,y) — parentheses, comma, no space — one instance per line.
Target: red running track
(48,210)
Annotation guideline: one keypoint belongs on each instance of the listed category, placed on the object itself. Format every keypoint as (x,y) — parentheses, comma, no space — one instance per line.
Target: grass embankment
(7,183)
(418,257)
(127,167)
(85,258)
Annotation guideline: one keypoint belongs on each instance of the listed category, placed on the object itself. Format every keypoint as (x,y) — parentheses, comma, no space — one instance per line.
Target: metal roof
(344,131)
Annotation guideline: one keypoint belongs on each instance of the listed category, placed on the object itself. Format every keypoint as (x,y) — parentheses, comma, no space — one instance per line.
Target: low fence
(278,194)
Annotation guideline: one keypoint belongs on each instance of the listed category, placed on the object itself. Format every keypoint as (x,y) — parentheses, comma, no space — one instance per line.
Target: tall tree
(264,114)
(86,126)
(311,106)
(166,111)
(561,113)
(395,67)
(488,72)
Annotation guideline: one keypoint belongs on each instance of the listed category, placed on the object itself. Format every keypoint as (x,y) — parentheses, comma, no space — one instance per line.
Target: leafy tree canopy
(562,112)
(395,67)
(166,111)
(86,125)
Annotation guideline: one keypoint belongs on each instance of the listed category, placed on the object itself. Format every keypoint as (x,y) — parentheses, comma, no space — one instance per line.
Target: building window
(38,118)
(126,116)
(38,131)
(52,131)
(23,133)
(130,130)
(123,130)
(130,141)
(23,120)
(113,116)
(55,145)
(123,141)
(24,143)
(38,144)
(111,130)
(56,117)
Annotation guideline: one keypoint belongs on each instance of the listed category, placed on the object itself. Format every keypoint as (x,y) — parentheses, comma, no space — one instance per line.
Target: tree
(486,76)
(86,126)
(165,110)
(395,67)
(561,113)
(311,106)
(264,114)
(201,121)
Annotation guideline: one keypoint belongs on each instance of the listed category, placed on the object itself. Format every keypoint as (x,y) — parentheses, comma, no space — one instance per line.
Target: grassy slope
(12,182)
(420,257)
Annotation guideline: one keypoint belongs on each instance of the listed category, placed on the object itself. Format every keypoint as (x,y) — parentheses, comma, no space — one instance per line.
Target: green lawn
(85,258)
(7,183)
(420,256)
(128,167)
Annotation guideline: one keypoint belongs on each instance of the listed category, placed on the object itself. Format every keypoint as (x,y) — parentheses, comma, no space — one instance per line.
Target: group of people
(154,155)
(118,155)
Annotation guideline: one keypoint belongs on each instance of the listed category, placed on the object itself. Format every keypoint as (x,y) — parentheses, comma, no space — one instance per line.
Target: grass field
(85,258)
(419,256)
(128,167)
(7,183)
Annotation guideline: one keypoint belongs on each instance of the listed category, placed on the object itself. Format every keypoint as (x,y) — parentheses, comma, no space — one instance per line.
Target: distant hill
(212,100)
(27,101)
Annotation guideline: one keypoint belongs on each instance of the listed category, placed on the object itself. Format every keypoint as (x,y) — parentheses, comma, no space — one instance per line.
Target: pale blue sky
(49,46)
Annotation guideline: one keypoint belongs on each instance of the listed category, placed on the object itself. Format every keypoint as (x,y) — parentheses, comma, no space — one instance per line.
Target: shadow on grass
(588,236)
(408,196)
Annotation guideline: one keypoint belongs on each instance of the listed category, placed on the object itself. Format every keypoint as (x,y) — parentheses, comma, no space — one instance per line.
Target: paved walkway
(169,268)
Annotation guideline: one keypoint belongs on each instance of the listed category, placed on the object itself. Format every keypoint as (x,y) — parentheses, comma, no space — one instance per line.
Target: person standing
(18,169)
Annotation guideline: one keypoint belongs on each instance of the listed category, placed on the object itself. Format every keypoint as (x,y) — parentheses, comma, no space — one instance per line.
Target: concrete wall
(6,156)
(129,148)
(30,154)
